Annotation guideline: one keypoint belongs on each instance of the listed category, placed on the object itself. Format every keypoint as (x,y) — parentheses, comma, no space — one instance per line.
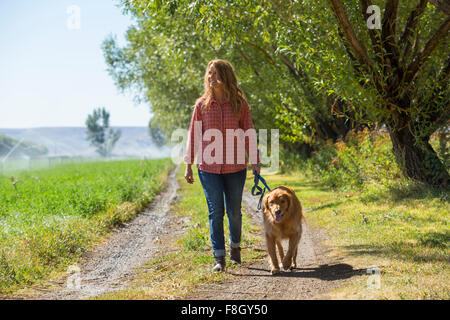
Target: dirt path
(317,271)
(111,265)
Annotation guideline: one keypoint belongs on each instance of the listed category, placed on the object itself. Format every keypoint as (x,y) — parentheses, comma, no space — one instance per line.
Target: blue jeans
(220,188)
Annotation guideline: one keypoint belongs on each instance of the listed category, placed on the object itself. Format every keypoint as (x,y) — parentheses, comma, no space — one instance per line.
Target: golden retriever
(283,216)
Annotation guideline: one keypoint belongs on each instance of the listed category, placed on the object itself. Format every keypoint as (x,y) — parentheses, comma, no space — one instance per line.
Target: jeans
(219,189)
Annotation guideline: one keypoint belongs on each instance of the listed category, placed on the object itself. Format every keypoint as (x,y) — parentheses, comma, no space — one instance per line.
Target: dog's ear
(265,202)
(296,206)
(289,203)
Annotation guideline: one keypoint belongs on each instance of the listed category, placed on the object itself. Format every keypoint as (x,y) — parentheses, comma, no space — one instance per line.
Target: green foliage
(156,134)
(104,140)
(169,46)
(402,229)
(162,66)
(364,159)
(441,143)
(297,67)
(196,239)
(435,239)
(50,216)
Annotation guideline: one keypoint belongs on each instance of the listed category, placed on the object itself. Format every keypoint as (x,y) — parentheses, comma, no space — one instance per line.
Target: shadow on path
(323,272)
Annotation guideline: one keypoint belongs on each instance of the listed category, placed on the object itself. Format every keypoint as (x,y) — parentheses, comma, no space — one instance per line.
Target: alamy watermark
(374,280)
(374,20)
(74,279)
(211,147)
(74,19)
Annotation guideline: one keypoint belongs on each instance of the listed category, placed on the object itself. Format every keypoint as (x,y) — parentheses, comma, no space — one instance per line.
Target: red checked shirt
(219,118)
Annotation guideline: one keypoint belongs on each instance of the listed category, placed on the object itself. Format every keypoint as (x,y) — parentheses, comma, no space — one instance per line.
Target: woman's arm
(190,147)
(246,123)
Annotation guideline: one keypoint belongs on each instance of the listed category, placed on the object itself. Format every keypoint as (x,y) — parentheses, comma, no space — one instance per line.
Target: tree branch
(248,60)
(297,74)
(355,64)
(410,28)
(389,40)
(374,36)
(258,48)
(419,60)
(411,24)
(441,5)
(357,47)
(445,72)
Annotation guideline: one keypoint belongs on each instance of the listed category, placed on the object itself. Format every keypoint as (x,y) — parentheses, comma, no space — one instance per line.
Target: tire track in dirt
(317,272)
(110,266)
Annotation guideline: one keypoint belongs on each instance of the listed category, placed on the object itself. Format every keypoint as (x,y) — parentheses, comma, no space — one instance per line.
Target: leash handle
(255,185)
(258,177)
(260,190)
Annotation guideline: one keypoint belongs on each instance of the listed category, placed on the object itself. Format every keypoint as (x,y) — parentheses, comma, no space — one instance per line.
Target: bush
(363,159)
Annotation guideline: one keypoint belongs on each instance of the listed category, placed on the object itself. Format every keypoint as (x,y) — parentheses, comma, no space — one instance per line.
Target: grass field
(49,217)
(404,232)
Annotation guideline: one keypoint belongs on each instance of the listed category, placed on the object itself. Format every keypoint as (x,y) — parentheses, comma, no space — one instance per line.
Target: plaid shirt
(220,117)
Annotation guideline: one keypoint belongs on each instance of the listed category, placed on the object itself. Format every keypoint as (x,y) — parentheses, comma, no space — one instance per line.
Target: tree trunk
(417,159)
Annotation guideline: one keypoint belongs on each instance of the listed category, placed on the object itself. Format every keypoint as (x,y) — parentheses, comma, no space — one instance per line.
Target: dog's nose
(278,211)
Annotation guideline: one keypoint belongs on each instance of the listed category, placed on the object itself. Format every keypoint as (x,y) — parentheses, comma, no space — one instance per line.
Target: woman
(222,106)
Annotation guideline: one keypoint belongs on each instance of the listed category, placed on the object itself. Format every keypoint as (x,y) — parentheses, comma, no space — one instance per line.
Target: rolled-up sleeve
(190,146)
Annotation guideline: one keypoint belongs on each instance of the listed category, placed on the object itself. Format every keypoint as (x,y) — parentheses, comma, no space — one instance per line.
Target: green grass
(49,217)
(187,261)
(403,230)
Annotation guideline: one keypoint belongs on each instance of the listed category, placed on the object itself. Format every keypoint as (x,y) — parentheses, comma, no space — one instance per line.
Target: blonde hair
(225,74)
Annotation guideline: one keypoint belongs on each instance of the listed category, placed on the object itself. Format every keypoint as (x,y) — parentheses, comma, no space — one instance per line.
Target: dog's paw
(287,264)
(275,271)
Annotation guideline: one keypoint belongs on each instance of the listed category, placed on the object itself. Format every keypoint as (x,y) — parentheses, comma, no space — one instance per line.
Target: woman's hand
(256,167)
(188,175)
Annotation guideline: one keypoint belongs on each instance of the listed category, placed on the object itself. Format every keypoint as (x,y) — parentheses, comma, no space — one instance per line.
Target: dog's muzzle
(278,215)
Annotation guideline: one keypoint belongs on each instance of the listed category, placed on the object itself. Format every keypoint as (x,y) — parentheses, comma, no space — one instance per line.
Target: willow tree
(304,61)
(165,58)
(396,75)
(181,36)
(406,66)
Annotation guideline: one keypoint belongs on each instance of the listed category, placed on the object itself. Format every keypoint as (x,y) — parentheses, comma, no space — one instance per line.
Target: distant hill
(71,141)
(12,148)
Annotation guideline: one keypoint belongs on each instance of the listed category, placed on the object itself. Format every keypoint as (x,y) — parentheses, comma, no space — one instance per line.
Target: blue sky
(52,75)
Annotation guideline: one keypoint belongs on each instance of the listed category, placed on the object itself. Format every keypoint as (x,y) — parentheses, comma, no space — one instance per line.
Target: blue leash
(260,191)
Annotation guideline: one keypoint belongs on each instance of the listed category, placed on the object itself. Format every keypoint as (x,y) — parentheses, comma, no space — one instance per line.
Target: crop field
(49,217)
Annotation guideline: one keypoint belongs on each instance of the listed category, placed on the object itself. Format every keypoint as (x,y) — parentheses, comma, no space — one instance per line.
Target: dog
(283,215)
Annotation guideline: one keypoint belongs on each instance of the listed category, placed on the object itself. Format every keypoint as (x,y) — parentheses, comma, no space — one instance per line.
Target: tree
(396,76)
(156,134)
(98,134)
(313,68)
(167,52)
(408,76)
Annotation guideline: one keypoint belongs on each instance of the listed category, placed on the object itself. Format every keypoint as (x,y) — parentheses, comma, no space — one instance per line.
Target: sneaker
(235,255)
(219,265)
